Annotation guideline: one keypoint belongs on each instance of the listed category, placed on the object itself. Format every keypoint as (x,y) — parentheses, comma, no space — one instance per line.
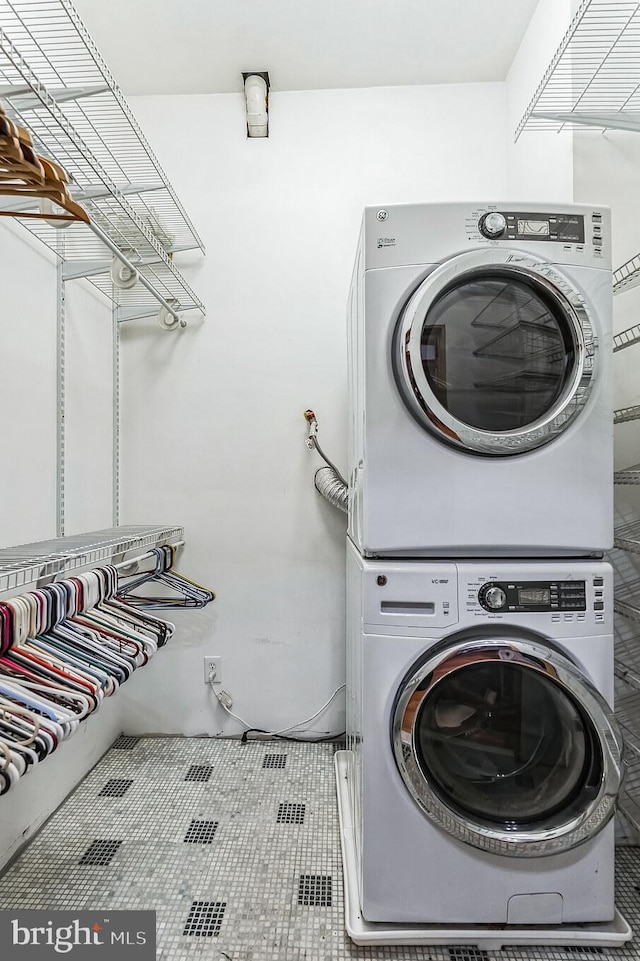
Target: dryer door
(505,745)
(495,352)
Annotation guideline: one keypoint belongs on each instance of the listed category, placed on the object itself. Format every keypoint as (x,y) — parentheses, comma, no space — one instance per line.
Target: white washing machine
(485,763)
(480,381)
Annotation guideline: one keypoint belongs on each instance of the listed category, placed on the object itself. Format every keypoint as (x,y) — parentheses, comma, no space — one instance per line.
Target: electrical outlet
(213,670)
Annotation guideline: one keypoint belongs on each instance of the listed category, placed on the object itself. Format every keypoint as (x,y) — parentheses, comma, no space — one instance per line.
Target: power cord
(225,700)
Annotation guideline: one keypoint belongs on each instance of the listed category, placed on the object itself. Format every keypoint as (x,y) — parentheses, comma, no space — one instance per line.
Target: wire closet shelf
(593,81)
(29,563)
(594,78)
(55,83)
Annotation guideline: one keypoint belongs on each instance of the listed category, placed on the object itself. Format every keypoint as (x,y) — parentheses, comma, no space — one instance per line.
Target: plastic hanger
(193,595)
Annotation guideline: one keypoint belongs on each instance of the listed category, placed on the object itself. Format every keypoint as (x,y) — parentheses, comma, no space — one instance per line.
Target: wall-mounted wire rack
(593,81)
(594,78)
(627,476)
(56,84)
(627,536)
(627,663)
(31,563)
(627,276)
(625,414)
(626,338)
(627,697)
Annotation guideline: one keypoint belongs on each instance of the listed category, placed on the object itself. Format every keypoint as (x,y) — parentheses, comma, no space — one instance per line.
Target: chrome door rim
(415,387)
(486,836)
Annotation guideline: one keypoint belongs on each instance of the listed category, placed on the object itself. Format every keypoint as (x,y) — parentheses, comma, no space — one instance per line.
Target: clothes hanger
(193,595)
(25,174)
(63,649)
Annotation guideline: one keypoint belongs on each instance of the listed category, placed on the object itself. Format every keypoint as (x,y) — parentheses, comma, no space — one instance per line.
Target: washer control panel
(547,596)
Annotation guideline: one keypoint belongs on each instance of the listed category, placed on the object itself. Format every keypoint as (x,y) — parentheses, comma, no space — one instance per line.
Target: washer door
(495,352)
(505,745)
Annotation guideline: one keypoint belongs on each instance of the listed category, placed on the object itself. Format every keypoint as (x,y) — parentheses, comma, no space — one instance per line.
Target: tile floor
(236,848)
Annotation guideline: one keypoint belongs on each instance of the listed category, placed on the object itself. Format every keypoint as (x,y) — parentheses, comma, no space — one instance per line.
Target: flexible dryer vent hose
(332,488)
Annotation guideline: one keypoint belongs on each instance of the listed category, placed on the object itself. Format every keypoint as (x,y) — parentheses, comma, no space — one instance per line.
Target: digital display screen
(534,596)
(533,228)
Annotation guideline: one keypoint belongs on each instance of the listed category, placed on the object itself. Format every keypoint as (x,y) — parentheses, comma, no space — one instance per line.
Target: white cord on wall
(226,702)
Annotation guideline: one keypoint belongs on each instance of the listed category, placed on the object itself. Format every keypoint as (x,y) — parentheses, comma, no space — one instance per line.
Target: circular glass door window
(506,744)
(496,350)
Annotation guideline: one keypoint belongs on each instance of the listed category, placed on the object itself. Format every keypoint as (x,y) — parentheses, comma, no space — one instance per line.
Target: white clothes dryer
(484,760)
(480,381)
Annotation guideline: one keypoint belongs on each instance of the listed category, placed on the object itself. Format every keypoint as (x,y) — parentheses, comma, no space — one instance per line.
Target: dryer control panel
(531,596)
(528,225)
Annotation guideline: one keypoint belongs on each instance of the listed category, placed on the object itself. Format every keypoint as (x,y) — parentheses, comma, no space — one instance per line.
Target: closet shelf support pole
(60,389)
(115,318)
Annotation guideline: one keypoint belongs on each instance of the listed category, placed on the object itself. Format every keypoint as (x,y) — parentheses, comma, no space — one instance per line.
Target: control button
(598,605)
(492,597)
(597,241)
(492,225)
(598,581)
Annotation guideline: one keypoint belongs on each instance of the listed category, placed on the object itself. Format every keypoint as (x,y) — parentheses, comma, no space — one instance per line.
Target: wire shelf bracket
(604,120)
(23,98)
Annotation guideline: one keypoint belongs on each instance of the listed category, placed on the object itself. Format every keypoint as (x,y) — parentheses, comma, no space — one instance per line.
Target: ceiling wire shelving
(31,563)
(54,82)
(593,81)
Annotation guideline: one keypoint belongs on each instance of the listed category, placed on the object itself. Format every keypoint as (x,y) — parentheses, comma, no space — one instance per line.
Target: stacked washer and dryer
(483,761)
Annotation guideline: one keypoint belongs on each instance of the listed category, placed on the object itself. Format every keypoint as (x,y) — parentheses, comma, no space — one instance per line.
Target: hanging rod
(115,250)
(143,557)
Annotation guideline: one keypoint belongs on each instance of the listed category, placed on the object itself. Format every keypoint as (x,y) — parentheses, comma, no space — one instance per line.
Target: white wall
(89,410)
(213,434)
(540,164)
(27,388)
(28,396)
(28,501)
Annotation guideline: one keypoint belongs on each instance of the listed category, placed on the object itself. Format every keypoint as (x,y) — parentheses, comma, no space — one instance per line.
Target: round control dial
(492,225)
(492,597)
